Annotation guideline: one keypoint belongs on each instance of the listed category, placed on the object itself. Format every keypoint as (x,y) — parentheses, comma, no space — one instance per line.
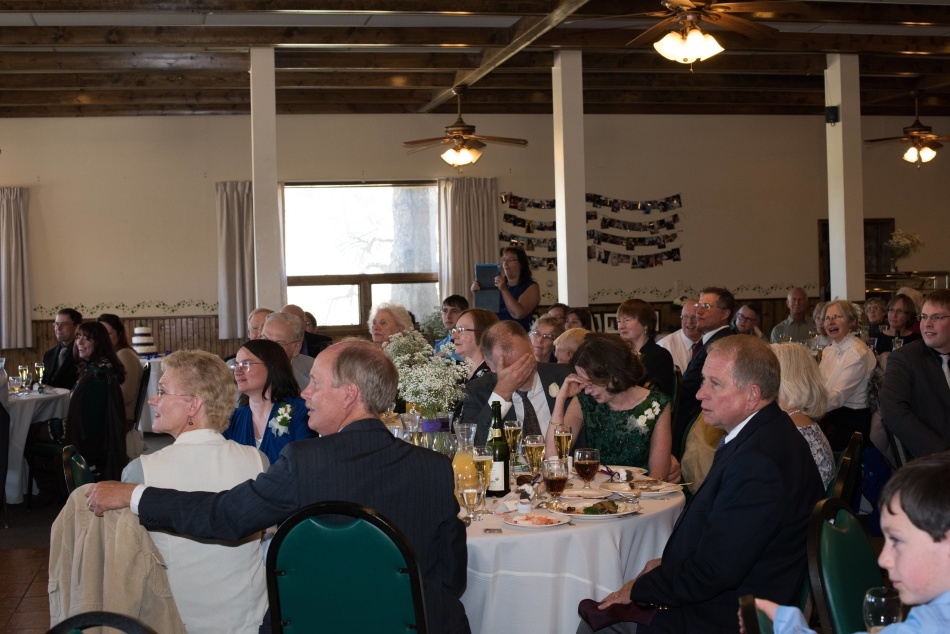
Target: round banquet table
(33,407)
(531,579)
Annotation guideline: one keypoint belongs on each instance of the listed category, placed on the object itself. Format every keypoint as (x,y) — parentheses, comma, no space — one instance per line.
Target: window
(352,246)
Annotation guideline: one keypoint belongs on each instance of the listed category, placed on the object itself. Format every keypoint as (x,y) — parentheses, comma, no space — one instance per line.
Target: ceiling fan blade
(443,143)
(653,33)
(433,141)
(682,4)
(617,18)
(764,6)
(498,139)
(742,26)
(932,144)
(888,139)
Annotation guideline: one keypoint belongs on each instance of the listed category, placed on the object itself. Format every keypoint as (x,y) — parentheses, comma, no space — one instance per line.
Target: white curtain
(468,231)
(15,302)
(236,281)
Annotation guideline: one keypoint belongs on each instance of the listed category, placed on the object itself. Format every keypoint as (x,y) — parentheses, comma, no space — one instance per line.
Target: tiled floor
(24,605)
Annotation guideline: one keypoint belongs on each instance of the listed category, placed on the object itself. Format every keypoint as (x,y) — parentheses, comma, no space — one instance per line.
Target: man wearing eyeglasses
(680,343)
(799,324)
(58,360)
(287,331)
(915,399)
(713,312)
(312,344)
(747,322)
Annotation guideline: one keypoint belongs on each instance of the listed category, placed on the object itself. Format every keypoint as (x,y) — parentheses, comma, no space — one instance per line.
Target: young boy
(915,517)
(452,307)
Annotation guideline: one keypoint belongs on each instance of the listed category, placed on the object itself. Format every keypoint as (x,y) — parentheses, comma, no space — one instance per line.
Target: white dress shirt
(846,367)
(680,348)
(537,398)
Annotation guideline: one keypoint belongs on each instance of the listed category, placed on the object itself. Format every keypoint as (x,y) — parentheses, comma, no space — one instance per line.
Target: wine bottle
(498,482)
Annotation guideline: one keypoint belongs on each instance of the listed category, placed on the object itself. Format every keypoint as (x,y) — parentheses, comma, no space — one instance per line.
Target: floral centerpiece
(432,325)
(901,245)
(433,384)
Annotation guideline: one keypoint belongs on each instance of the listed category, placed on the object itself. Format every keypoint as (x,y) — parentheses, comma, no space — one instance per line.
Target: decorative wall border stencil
(125,310)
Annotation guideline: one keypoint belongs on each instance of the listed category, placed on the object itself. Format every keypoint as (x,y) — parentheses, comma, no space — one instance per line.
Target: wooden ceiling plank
(13,61)
(474,7)
(317,60)
(124,81)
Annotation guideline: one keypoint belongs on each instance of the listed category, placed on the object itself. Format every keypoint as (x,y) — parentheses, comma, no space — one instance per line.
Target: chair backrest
(842,486)
(754,620)
(841,565)
(75,469)
(141,397)
(87,620)
(321,568)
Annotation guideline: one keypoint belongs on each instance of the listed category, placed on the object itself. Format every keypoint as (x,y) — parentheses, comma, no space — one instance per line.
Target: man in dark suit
(515,375)
(744,531)
(356,459)
(313,344)
(915,400)
(58,360)
(713,312)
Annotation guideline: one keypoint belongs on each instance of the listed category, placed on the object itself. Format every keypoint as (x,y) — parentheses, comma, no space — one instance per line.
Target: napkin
(617,613)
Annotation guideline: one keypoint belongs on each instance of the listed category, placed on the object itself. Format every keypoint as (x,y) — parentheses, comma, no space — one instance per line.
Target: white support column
(268,224)
(845,182)
(570,178)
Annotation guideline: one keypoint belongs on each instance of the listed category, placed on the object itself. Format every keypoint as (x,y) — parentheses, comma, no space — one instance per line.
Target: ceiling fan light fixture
(911,154)
(457,157)
(926,154)
(670,46)
(695,45)
(711,47)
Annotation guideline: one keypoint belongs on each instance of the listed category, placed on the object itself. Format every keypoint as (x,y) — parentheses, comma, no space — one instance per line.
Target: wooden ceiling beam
(135,80)
(324,60)
(490,7)
(12,61)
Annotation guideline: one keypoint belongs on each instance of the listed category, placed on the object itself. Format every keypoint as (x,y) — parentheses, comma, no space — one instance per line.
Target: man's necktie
(696,348)
(722,443)
(531,424)
(945,360)
(60,360)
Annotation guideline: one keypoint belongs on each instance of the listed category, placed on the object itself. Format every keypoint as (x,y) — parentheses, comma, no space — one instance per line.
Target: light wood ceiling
(175,57)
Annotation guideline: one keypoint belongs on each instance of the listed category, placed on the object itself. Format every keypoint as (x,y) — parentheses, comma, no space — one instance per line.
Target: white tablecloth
(145,420)
(531,580)
(23,411)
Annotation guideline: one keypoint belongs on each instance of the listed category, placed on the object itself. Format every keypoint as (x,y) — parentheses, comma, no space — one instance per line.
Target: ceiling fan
(464,145)
(923,142)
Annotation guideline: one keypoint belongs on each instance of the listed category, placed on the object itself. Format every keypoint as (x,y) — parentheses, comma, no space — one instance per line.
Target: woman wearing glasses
(467,336)
(901,319)
(520,294)
(270,413)
(217,586)
(846,367)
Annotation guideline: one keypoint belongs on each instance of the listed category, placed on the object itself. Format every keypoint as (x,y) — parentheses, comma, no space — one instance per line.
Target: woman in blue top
(270,412)
(520,294)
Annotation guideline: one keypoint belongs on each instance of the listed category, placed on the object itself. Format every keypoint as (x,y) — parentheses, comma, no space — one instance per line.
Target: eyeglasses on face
(934,318)
(743,318)
(458,331)
(704,305)
(833,318)
(504,260)
(535,333)
(161,393)
(242,366)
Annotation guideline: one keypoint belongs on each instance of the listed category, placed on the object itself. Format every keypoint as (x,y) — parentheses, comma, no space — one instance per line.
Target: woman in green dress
(630,425)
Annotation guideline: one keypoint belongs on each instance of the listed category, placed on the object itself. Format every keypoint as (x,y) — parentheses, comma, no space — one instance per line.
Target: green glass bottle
(498,482)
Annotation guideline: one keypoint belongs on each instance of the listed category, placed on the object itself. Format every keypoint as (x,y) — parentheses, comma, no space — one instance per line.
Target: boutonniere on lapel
(280,424)
(553,390)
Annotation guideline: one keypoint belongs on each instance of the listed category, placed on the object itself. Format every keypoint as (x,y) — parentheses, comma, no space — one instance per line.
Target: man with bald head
(356,459)
(680,343)
(313,344)
(799,323)
(287,331)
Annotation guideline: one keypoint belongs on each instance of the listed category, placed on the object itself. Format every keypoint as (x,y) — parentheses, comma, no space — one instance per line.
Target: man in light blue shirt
(452,307)
(915,518)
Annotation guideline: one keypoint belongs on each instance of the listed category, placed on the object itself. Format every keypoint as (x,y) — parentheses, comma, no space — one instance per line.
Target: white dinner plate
(666,489)
(623,509)
(616,487)
(510,519)
(635,470)
(577,492)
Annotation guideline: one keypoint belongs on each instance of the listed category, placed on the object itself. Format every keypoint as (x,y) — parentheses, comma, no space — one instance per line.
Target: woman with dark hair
(629,424)
(578,318)
(520,294)
(901,319)
(96,424)
(636,323)
(129,360)
(270,412)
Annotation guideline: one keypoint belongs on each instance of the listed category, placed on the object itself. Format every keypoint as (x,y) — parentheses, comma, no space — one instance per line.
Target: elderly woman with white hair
(217,586)
(385,320)
(846,367)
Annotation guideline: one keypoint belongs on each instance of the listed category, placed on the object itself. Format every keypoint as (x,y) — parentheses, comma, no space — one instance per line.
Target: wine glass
(562,440)
(513,436)
(14,383)
(22,370)
(586,463)
(471,489)
(882,606)
(898,342)
(28,382)
(534,452)
(554,472)
(40,371)
(482,456)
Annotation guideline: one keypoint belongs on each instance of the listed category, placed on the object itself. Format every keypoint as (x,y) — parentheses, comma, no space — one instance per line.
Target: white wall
(122,210)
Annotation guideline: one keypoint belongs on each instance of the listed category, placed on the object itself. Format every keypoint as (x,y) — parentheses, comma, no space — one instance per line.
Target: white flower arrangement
(642,423)
(280,424)
(432,383)
(903,243)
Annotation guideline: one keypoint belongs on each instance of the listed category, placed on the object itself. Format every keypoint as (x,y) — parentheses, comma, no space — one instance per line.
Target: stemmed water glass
(586,463)
(471,490)
(882,606)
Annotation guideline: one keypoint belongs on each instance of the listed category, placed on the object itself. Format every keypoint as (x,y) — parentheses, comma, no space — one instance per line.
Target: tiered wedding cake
(142,341)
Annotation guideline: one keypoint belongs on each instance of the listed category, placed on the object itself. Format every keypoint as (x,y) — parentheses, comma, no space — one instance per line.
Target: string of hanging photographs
(597,251)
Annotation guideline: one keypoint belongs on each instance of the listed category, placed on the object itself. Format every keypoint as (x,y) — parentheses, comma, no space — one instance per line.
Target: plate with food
(535,519)
(575,491)
(603,510)
(621,473)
